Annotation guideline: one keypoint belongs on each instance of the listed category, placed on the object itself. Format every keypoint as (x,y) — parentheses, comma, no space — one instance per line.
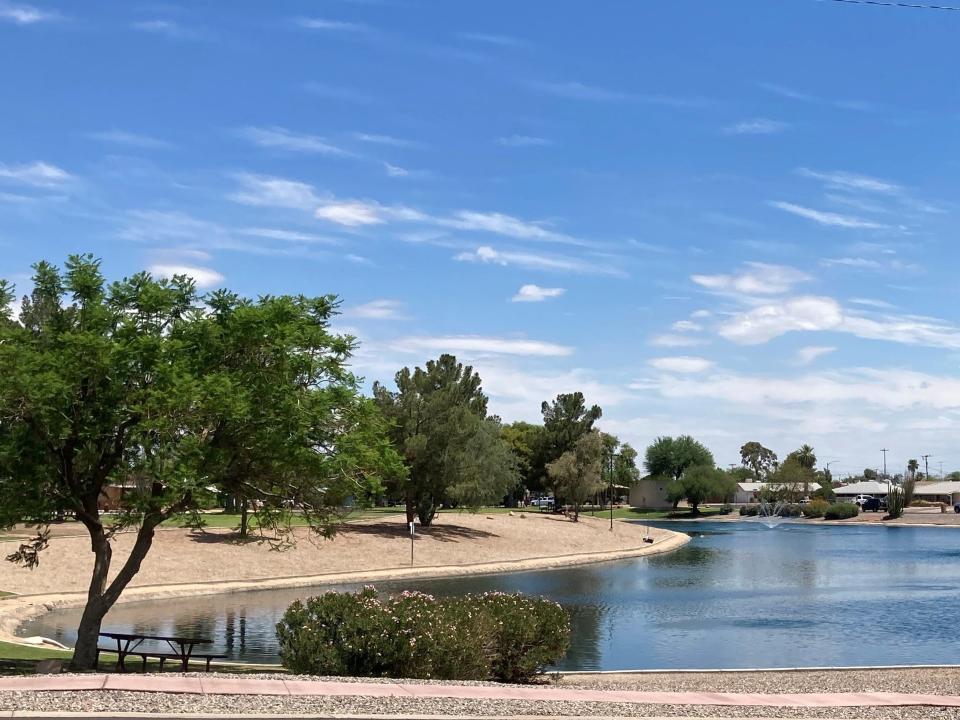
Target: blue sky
(735,220)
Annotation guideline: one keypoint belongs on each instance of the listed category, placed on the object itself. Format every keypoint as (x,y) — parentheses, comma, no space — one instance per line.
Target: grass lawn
(4,593)
(21,660)
(679,514)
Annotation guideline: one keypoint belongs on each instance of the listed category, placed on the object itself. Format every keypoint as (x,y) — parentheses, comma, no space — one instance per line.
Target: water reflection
(739,595)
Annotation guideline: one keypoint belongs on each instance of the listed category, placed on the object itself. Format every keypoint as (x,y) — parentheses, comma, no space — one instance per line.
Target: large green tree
(522,438)
(128,383)
(576,474)
(805,457)
(669,457)
(566,419)
(761,460)
(699,483)
(438,419)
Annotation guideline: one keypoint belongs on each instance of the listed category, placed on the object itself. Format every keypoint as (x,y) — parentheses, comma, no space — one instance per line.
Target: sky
(735,220)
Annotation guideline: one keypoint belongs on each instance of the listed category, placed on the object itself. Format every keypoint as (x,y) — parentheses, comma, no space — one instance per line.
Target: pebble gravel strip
(106,702)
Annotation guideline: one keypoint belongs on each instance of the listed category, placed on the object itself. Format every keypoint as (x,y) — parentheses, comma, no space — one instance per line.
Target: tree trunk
(426,511)
(101,597)
(88,632)
(244,518)
(411,510)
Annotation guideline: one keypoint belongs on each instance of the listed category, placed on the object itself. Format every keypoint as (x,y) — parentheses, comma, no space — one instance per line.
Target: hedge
(841,511)
(494,636)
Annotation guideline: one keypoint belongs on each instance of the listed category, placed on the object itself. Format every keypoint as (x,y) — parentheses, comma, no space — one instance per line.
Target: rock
(49,667)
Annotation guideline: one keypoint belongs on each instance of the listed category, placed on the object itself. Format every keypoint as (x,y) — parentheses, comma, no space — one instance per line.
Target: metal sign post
(413,532)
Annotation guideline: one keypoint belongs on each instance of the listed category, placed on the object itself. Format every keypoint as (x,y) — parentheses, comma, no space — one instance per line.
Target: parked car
(873,504)
(544,502)
(861,499)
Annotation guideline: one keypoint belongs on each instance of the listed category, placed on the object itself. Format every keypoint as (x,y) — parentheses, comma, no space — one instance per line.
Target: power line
(912,6)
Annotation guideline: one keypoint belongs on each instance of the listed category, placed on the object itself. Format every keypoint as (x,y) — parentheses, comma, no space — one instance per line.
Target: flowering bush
(473,637)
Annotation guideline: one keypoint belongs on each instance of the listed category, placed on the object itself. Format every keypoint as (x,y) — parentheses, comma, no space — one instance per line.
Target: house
(650,493)
(945,492)
(877,488)
(748,492)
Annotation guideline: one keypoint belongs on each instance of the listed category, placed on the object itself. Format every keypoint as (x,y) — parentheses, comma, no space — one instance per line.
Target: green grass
(680,514)
(5,594)
(22,659)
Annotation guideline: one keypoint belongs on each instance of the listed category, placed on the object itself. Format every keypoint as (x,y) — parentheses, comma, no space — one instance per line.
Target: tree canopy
(139,383)
(566,419)
(576,474)
(670,457)
(452,451)
(699,483)
(761,460)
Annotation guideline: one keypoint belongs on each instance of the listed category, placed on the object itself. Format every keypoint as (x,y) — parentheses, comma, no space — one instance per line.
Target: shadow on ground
(442,532)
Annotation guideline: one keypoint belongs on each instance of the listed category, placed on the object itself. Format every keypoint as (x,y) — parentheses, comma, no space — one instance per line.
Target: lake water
(739,595)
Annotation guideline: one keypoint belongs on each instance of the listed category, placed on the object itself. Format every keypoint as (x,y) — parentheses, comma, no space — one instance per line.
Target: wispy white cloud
(873,303)
(535,293)
(538,261)
(841,180)
(287,235)
(21,14)
(315,23)
(792,94)
(671,341)
(269,191)
(395,171)
(831,219)
(122,137)
(523,141)
(686,326)
(280,138)
(37,174)
(357,213)
(480,345)
(171,29)
(757,126)
(390,140)
(493,39)
(806,355)
(684,364)
(854,262)
(755,279)
(763,323)
(202,276)
(377,310)
(579,91)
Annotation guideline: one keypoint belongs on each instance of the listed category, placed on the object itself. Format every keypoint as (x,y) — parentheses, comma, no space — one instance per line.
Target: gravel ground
(252,704)
(938,681)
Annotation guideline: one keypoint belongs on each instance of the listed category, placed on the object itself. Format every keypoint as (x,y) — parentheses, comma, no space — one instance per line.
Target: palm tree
(912,467)
(805,457)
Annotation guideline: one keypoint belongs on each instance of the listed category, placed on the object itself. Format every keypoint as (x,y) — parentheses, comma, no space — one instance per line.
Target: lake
(739,595)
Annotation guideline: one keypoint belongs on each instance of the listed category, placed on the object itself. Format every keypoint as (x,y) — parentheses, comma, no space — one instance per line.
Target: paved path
(197,684)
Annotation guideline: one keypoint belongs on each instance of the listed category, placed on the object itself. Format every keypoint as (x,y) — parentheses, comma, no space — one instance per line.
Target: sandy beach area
(184,563)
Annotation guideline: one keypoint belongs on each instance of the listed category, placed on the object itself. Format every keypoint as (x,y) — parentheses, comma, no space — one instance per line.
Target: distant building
(748,492)
(650,493)
(945,492)
(878,488)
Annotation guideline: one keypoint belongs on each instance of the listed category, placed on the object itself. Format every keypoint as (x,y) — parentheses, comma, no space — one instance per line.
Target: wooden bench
(163,657)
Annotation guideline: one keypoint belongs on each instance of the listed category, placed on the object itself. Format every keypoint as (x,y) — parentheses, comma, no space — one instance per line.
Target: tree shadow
(442,533)
(224,538)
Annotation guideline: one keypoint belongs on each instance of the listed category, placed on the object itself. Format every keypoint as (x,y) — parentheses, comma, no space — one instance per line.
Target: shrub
(749,510)
(726,509)
(815,508)
(413,635)
(789,511)
(841,511)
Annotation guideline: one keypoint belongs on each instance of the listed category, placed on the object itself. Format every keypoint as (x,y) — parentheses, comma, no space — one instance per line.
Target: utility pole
(884,451)
(941,469)
(926,467)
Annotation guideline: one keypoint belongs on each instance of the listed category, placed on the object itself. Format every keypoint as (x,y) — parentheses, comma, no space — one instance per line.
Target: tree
(565,421)
(113,385)
(805,457)
(522,438)
(869,474)
(575,475)
(670,457)
(438,422)
(791,481)
(699,483)
(762,461)
(912,467)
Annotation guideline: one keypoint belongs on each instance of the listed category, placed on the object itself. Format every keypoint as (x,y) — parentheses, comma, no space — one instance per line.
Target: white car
(542,502)
(861,499)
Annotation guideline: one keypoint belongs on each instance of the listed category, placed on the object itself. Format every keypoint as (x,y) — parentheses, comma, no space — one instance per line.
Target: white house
(748,492)
(946,492)
(866,487)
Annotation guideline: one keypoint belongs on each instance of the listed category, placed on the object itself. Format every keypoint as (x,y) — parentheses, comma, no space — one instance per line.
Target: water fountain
(769,513)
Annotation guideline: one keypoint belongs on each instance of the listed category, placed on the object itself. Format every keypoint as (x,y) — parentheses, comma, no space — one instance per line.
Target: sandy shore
(184,563)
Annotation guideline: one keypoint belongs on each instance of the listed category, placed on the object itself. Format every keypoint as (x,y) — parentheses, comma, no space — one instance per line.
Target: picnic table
(181,649)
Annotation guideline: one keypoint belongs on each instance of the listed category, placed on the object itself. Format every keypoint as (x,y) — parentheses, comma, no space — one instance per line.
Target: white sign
(413,525)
